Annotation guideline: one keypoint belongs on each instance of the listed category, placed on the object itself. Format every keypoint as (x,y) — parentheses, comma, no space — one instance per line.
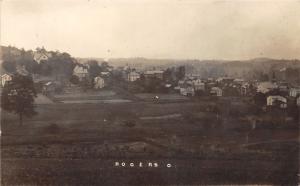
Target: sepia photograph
(149,92)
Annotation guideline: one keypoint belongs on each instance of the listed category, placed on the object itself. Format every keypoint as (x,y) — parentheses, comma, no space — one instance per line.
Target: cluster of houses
(288,93)
(133,75)
(49,84)
(219,87)
(225,86)
(214,87)
(188,86)
(82,72)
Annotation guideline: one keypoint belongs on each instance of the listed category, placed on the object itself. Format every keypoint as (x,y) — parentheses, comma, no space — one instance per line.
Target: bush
(74,80)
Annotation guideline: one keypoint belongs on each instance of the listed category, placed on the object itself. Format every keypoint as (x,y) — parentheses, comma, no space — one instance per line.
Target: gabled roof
(39,54)
(6,74)
(216,89)
(133,73)
(277,97)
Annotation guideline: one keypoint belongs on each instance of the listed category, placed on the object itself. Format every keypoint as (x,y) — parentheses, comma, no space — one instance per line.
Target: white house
(265,87)
(5,78)
(180,83)
(106,74)
(168,85)
(154,73)
(216,91)
(41,55)
(98,82)
(187,91)
(198,84)
(274,100)
(80,71)
(244,88)
(133,76)
(238,81)
(294,92)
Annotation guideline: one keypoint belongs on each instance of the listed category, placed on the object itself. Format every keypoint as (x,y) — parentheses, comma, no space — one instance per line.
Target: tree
(293,109)
(260,99)
(104,66)
(9,66)
(74,79)
(18,96)
(85,84)
(167,75)
(94,69)
(180,72)
(153,85)
(59,65)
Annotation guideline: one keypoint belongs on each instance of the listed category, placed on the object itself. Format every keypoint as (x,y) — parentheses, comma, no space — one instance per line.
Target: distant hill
(257,68)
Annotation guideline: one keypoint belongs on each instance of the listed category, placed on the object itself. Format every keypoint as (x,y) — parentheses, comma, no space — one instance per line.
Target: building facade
(5,78)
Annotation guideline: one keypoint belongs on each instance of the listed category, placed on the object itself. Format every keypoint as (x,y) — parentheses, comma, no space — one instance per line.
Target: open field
(100,96)
(161,97)
(76,143)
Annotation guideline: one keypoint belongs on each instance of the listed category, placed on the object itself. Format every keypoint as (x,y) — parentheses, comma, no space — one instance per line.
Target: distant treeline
(62,64)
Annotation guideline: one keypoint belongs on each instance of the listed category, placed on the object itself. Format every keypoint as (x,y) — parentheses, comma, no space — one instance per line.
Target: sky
(177,29)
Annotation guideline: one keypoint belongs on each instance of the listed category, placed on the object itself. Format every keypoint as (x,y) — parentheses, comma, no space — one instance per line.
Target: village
(98,114)
(134,93)
(92,76)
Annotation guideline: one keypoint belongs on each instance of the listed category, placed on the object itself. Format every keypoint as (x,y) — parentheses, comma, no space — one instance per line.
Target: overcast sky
(155,28)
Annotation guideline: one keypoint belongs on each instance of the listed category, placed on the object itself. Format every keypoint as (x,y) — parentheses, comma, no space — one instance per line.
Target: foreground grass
(77,144)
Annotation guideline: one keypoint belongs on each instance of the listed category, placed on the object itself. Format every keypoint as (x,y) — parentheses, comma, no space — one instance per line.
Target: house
(294,92)
(277,100)
(81,72)
(216,91)
(238,81)
(105,74)
(265,87)
(187,90)
(41,55)
(154,73)
(133,76)
(180,83)
(198,85)
(225,80)
(98,82)
(283,87)
(244,89)
(168,85)
(5,78)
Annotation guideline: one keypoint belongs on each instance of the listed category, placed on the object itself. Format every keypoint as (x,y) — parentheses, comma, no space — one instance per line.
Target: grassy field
(78,144)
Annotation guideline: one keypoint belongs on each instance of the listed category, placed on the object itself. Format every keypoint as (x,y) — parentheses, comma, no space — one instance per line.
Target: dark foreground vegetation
(78,144)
